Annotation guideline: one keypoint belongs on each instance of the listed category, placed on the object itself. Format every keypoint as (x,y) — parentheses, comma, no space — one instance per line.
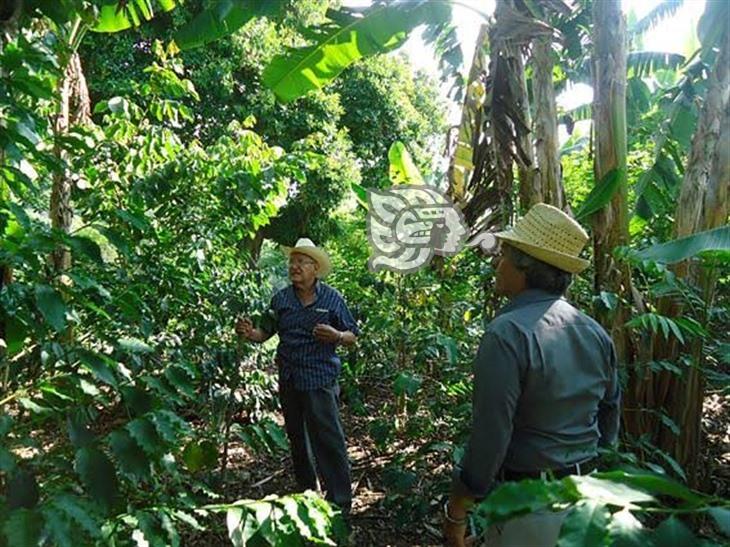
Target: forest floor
(379,517)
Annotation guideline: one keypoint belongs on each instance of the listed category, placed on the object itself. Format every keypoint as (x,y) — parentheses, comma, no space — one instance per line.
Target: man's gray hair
(539,274)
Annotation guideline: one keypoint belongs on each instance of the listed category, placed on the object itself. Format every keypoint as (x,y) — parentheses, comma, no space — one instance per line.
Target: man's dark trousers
(313,426)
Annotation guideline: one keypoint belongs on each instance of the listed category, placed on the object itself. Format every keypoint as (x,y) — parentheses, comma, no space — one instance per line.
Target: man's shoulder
(329,290)
(281,294)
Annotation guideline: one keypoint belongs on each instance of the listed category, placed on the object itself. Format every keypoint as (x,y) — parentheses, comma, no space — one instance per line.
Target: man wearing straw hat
(546,392)
(312,320)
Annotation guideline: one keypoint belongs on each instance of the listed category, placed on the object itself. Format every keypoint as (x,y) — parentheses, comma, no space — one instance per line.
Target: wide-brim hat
(550,235)
(307,247)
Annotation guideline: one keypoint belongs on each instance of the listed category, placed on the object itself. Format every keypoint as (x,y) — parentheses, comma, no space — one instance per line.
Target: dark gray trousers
(313,425)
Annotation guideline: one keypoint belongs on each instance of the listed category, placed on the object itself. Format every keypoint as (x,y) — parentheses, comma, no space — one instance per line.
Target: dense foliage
(130,414)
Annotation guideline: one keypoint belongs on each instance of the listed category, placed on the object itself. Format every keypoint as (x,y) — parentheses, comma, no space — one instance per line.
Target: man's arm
(609,408)
(245,328)
(496,392)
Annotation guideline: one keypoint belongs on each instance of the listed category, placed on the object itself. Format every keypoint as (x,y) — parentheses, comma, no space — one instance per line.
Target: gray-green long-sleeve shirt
(546,392)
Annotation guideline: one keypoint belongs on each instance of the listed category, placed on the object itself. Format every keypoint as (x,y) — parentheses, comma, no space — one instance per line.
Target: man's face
(508,280)
(302,269)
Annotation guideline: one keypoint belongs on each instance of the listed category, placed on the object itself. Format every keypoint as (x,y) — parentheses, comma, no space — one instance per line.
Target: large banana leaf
(348,36)
(686,247)
(116,15)
(655,16)
(601,194)
(222,18)
(402,168)
(644,63)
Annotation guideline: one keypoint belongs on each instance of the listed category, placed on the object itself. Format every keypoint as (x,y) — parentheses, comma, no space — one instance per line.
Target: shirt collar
(317,291)
(528,297)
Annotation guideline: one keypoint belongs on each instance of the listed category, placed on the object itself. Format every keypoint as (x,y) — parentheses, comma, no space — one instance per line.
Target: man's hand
(455,535)
(326,334)
(245,328)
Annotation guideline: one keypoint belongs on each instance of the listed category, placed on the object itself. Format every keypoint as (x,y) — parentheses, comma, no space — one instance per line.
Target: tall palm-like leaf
(655,16)
(348,36)
(224,17)
(677,250)
(116,15)
(644,63)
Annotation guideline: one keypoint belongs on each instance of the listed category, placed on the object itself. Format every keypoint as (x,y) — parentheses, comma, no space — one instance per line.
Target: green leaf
(133,345)
(7,460)
(672,532)
(101,366)
(601,194)
(689,246)
(360,194)
(98,475)
(131,458)
(200,455)
(81,511)
(180,378)
(224,17)
(402,169)
(662,10)
(584,525)
(516,498)
(22,490)
(78,431)
(406,383)
(722,518)
(609,492)
(23,528)
(625,530)
(652,483)
(645,63)
(143,431)
(86,246)
(51,306)
(346,37)
(137,399)
(116,15)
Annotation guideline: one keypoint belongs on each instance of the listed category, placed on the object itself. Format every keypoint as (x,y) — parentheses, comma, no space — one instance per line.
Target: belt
(575,469)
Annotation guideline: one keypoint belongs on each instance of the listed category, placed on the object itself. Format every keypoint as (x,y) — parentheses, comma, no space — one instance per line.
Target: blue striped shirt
(304,361)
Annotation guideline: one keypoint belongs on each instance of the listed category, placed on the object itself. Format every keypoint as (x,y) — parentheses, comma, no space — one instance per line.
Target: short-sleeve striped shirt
(304,361)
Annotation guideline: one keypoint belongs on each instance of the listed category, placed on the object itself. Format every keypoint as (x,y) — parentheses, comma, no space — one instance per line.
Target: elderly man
(312,319)
(546,392)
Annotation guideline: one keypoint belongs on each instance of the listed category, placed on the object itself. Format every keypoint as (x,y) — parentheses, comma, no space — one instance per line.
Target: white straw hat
(307,247)
(550,235)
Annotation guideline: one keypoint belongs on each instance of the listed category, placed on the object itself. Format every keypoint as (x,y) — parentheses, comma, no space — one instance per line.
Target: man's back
(567,367)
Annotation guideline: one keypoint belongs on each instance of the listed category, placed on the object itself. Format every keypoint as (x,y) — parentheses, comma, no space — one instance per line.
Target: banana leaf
(348,35)
(716,241)
(116,15)
(222,18)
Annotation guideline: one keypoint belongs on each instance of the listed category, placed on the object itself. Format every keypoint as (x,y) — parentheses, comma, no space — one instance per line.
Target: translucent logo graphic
(409,224)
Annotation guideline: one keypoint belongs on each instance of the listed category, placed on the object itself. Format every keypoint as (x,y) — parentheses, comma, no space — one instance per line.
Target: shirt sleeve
(343,318)
(609,408)
(496,392)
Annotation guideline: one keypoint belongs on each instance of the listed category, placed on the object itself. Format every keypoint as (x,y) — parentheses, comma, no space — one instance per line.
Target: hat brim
(315,253)
(568,263)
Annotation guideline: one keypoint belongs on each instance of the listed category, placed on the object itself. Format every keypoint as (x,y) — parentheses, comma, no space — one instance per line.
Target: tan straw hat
(306,247)
(550,235)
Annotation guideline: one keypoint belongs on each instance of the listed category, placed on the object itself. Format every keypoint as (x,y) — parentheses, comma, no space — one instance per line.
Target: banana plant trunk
(610,224)
(74,108)
(550,189)
(703,205)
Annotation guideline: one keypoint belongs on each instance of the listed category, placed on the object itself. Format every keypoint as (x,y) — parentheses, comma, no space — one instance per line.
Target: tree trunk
(610,225)
(74,108)
(546,127)
(702,206)
(528,175)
